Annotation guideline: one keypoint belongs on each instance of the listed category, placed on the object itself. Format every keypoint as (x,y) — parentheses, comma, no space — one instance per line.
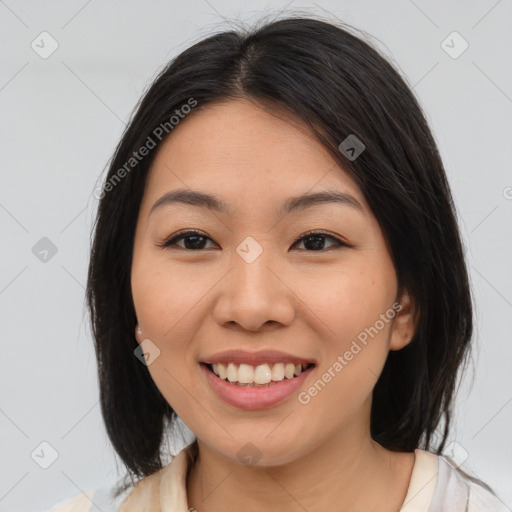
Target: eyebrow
(293,204)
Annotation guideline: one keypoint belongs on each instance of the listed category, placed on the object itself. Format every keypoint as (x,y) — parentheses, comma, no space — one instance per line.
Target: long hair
(339,85)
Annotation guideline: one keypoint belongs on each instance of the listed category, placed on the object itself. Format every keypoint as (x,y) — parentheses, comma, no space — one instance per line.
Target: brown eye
(193,240)
(316,240)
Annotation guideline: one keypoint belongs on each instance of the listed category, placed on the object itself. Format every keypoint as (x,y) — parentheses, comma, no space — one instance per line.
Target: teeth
(263,374)
(245,374)
(289,371)
(278,372)
(231,373)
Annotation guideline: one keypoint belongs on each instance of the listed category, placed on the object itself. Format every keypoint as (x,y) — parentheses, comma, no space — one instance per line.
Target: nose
(254,294)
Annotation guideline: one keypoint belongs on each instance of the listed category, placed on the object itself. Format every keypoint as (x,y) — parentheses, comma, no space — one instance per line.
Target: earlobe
(138,333)
(404,324)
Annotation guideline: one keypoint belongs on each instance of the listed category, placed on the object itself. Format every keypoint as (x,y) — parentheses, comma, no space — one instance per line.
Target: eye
(197,240)
(312,240)
(196,237)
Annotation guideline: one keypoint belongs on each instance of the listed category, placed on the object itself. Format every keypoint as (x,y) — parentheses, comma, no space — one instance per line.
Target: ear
(405,323)
(138,334)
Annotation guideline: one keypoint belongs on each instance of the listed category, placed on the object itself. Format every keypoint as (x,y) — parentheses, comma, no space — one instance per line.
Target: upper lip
(255,358)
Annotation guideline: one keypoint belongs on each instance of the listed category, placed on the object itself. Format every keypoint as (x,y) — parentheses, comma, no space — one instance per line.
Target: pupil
(319,241)
(194,244)
(315,242)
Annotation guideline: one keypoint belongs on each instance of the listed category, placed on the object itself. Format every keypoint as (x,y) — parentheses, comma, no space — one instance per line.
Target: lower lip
(254,398)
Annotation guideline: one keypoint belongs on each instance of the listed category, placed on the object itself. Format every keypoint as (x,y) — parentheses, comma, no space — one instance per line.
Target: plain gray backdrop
(70,76)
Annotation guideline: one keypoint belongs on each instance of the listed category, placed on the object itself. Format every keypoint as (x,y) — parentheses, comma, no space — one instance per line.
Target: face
(251,289)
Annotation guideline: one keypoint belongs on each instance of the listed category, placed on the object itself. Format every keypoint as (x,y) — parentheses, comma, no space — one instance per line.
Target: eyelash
(166,244)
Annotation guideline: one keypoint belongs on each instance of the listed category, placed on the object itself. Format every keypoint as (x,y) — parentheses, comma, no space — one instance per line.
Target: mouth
(257,376)
(253,388)
(256,380)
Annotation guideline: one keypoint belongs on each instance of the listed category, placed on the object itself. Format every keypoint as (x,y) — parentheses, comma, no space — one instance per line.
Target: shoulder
(78,503)
(168,485)
(144,496)
(91,500)
(458,491)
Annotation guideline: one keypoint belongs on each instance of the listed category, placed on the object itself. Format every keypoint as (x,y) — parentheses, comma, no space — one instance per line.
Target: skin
(295,298)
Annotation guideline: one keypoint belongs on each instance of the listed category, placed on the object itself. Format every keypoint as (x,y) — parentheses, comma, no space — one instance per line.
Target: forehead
(245,154)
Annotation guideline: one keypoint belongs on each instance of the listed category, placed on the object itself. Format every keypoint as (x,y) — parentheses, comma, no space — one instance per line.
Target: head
(256,118)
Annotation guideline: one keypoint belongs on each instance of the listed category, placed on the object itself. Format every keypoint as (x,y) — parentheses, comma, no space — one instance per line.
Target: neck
(345,474)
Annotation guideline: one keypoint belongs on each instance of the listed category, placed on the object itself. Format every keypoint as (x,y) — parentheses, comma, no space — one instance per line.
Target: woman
(276,261)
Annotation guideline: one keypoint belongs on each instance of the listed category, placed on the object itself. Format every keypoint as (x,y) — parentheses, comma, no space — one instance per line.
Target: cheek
(164,298)
(351,305)
(350,300)
(346,378)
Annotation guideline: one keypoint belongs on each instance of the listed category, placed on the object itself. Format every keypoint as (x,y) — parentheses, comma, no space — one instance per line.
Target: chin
(259,453)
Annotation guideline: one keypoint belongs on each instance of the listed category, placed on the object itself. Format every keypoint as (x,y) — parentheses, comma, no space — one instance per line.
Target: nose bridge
(252,260)
(253,294)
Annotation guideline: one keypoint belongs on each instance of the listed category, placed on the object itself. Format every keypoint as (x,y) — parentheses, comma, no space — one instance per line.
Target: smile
(262,375)
(253,395)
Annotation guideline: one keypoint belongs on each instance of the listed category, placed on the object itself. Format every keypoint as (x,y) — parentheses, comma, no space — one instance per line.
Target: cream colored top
(435,486)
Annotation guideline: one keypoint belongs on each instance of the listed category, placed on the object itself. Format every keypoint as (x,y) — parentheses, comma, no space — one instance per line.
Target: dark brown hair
(339,85)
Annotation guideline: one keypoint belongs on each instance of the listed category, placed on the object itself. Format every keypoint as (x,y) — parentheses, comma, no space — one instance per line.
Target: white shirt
(435,486)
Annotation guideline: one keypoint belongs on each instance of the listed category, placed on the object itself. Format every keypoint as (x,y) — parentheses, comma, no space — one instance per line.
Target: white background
(61,118)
